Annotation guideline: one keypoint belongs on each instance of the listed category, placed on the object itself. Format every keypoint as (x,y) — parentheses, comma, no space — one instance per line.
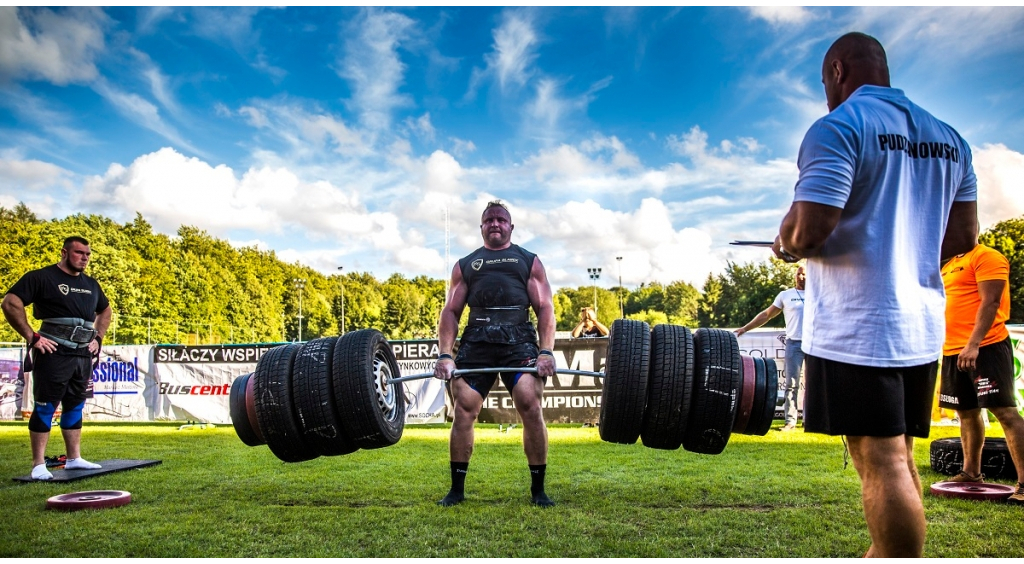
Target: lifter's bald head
(854,60)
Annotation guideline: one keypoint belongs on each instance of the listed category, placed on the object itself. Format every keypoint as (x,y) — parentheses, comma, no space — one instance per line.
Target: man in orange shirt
(977,362)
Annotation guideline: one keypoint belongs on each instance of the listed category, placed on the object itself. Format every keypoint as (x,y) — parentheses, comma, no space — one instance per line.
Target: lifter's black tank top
(498,279)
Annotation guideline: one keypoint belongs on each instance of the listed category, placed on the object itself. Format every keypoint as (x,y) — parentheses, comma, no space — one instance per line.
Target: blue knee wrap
(42,417)
(71,418)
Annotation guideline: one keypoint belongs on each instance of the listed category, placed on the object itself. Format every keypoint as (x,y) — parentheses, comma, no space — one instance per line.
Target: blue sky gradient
(339,136)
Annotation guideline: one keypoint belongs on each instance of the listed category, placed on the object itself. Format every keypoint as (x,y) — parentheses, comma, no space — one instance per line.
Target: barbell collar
(461,371)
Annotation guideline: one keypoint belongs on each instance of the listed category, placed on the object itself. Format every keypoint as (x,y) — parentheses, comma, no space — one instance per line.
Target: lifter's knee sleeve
(71,418)
(42,417)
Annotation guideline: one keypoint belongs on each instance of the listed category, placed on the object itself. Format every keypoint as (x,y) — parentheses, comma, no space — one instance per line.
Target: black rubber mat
(108,466)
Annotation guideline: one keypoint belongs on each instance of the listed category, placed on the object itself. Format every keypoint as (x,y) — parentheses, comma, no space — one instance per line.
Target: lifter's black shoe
(542,500)
(453,498)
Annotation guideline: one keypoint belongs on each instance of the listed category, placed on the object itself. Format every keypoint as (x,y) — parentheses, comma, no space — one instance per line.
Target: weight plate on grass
(624,389)
(757,408)
(97,499)
(771,396)
(274,408)
(239,415)
(716,383)
(745,403)
(669,387)
(947,457)
(370,406)
(967,490)
(313,398)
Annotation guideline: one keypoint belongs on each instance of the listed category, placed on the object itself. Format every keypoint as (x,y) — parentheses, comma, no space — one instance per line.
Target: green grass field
(782,495)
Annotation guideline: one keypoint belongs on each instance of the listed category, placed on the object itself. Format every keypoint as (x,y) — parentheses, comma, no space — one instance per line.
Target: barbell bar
(462,371)
(351,399)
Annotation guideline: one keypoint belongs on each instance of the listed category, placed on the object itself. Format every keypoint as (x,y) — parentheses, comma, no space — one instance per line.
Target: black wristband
(444,356)
(545,352)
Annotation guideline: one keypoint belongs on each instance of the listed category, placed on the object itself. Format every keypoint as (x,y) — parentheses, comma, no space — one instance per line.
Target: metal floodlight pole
(595,274)
(300,283)
(622,309)
(342,301)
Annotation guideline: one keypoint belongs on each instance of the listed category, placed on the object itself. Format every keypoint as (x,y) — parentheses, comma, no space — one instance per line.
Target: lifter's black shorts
(991,384)
(60,375)
(869,401)
(490,355)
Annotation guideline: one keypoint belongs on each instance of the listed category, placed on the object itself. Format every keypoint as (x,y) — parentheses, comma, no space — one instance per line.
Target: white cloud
(421,126)
(514,50)
(782,15)
(17,174)
(461,147)
(1000,173)
(142,112)
(371,63)
(58,47)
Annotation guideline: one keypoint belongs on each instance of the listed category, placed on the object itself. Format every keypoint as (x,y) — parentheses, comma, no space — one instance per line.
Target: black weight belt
(510,315)
(69,331)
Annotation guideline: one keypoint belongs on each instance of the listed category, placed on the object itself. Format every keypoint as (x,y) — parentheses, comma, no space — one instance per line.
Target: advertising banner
(12,384)
(178,383)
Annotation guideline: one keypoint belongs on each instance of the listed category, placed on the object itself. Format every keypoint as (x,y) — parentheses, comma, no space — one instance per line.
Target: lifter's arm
(539,291)
(100,324)
(448,324)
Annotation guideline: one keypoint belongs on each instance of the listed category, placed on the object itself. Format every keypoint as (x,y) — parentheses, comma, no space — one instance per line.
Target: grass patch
(782,495)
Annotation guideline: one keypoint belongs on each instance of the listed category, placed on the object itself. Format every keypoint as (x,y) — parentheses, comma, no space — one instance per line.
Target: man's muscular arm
(14,312)
(448,325)
(539,291)
(101,323)
(961,229)
(804,229)
(991,293)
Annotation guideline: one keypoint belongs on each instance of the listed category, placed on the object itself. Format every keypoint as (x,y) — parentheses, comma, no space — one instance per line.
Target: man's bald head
(854,60)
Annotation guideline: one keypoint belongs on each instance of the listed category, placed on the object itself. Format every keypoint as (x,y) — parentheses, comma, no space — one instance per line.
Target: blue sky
(339,136)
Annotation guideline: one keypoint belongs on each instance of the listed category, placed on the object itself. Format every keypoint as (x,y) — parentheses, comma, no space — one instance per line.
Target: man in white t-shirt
(791,304)
(885,191)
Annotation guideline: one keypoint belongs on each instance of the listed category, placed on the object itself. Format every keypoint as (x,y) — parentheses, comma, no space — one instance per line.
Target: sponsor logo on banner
(178,354)
(195,390)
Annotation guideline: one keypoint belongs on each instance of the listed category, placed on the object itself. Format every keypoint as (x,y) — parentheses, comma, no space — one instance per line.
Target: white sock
(39,472)
(80,464)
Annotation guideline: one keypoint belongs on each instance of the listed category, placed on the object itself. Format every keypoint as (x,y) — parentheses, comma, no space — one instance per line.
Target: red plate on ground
(89,500)
(968,490)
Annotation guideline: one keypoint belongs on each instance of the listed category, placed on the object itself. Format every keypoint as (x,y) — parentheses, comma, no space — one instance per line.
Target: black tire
(274,409)
(719,371)
(624,390)
(371,410)
(947,457)
(669,387)
(771,397)
(239,416)
(313,398)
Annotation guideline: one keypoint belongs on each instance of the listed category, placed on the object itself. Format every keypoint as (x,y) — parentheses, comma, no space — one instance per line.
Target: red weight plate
(250,409)
(746,401)
(89,500)
(969,490)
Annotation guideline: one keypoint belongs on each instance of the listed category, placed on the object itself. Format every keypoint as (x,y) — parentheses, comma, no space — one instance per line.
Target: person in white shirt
(791,304)
(885,191)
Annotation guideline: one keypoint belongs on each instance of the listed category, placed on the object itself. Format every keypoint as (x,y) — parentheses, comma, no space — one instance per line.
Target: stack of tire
(671,388)
(325,397)
(947,457)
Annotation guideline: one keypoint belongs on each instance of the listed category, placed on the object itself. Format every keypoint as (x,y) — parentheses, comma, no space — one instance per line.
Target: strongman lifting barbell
(666,386)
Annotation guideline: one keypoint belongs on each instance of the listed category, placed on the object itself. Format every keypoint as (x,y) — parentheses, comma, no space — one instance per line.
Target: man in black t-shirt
(500,282)
(75,315)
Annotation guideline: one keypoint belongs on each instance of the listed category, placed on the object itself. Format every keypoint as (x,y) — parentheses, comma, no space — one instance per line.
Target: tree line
(194,288)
